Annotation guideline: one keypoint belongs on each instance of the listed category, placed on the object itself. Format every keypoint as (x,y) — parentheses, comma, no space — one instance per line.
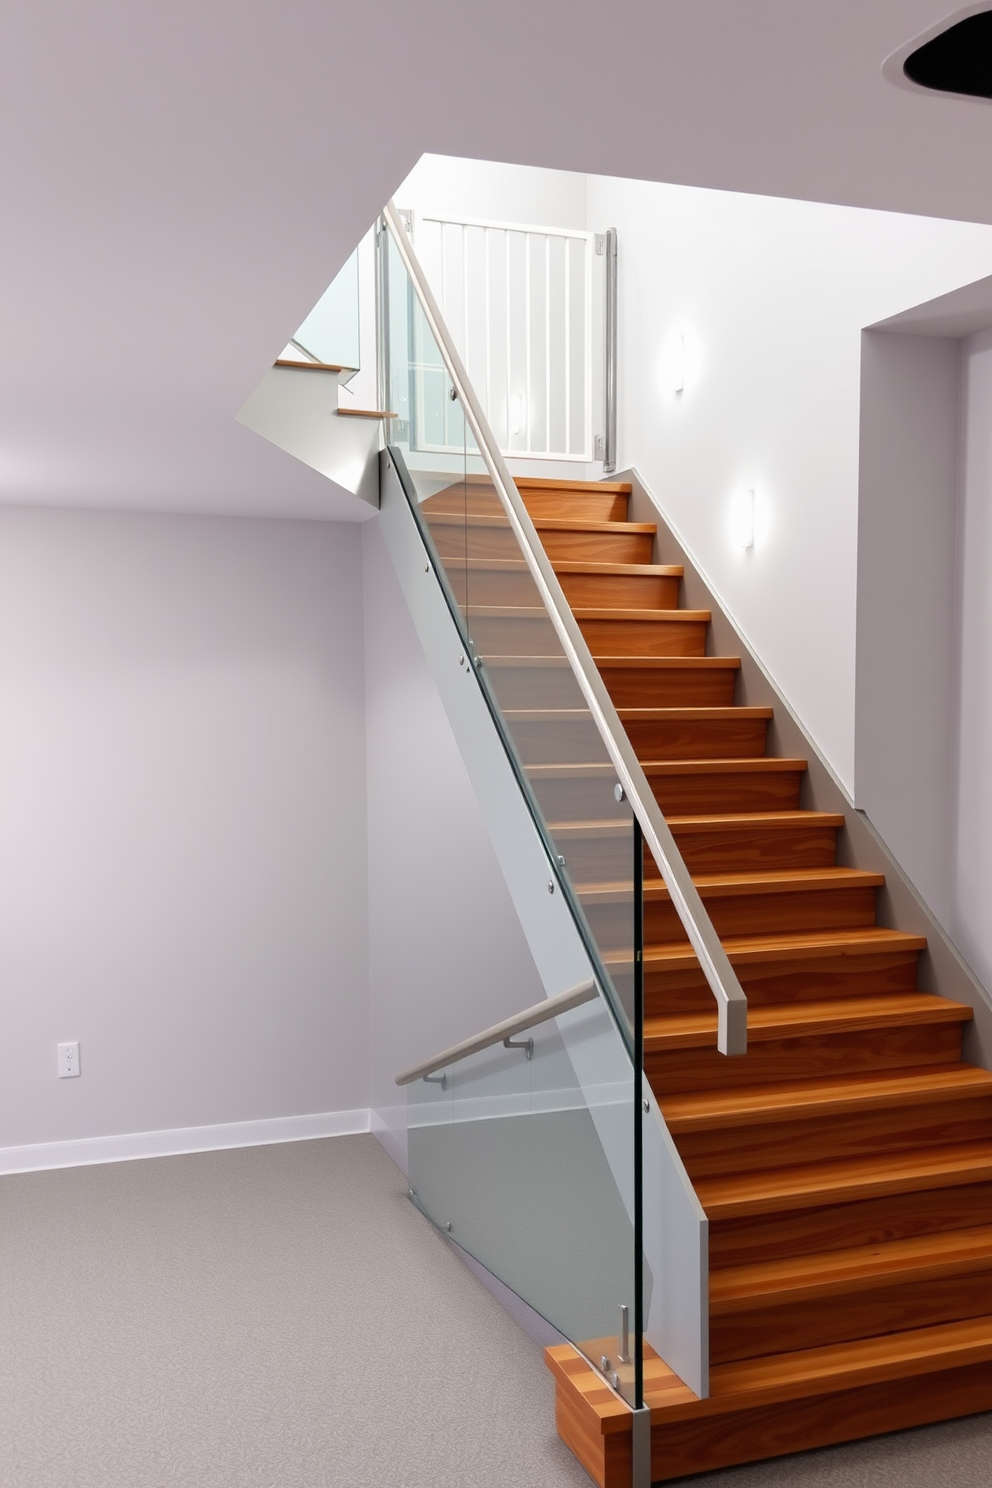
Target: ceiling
(179,182)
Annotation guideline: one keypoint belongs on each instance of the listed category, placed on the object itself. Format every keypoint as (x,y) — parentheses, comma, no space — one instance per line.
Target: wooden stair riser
(721,849)
(835,975)
(744,790)
(685,1447)
(600,853)
(705,686)
(621,591)
(696,739)
(598,547)
(799,1058)
(748,913)
(536,683)
(479,499)
(863,1313)
(510,634)
(645,637)
(745,913)
(740,1146)
(456,539)
(808,1231)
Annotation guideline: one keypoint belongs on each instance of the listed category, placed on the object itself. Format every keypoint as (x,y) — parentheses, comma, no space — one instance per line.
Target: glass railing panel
(531,1162)
(551,735)
(331,332)
(524,1157)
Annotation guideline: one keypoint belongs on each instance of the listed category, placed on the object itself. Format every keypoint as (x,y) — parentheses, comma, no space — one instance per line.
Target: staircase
(845,1163)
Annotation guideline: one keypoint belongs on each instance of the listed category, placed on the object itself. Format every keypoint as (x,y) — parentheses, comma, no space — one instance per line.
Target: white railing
(518,302)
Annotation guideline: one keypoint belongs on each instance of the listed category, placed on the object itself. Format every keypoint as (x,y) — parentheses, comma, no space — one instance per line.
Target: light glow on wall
(742,518)
(680,364)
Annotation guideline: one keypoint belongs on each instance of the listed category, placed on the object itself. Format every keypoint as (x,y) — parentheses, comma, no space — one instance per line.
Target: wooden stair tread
(456,515)
(796,945)
(918,1259)
(845,1180)
(656,663)
(756,819)
(691,715)
(778,1378)
(597,567)
(585,612)
(750,1383)
(709,1110)
(687,824)
(804,1019)
(761,881)
(761,765)
(593,488)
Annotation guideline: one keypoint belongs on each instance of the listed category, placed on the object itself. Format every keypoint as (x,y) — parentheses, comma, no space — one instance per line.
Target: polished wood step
(696,733)
(517,630)
(603,502)
(762,841)
(464,536)
(805,1041)
(638,585)
(814,1133)
(671,681)
(816,1185)
(732,842)
(743,903)
(756,1106)
(836,1296)
(768,1407)
(808,966)
(711,786)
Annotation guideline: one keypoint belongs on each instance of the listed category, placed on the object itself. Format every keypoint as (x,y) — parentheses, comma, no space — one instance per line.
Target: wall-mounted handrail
(730,998)
(541,1012)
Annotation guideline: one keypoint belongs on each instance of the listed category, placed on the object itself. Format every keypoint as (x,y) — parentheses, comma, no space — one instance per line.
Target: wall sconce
(678,365)
(742,519)
(516,414)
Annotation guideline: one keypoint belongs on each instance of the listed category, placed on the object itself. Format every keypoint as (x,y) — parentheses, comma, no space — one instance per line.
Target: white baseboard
(131,1145)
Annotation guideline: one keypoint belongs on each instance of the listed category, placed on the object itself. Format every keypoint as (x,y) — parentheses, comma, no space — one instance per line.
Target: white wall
(448,187)
(447,955)
(771,296)
(182,823)
(971,848)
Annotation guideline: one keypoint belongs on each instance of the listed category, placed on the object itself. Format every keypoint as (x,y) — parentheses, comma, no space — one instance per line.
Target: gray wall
(447,955)
(907,630)
(183,839)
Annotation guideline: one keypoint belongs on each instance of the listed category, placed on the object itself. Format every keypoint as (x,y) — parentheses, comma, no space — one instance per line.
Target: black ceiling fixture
(959,60)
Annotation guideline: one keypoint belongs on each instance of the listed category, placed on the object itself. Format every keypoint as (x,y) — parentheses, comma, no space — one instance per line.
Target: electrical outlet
(68,1061)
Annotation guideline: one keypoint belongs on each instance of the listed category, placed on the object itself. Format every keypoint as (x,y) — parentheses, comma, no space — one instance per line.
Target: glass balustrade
(529,1156)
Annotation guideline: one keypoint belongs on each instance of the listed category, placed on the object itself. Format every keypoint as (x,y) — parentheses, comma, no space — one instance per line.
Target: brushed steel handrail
(730,998)
(541,1012)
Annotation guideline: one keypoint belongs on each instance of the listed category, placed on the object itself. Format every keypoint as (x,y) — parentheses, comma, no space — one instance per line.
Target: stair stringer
(675,1226)
(942,969)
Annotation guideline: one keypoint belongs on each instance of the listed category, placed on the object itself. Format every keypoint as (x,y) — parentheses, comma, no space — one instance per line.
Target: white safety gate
(518,303)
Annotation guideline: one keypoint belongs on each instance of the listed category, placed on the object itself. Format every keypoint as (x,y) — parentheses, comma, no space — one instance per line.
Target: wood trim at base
(595,1425)
(825,1420)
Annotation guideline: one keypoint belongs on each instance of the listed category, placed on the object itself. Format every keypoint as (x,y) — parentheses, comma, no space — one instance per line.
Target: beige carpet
(281,1317)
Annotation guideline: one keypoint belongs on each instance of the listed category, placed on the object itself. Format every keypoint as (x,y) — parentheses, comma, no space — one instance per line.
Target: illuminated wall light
(678,365)
(742,519)
(516,414)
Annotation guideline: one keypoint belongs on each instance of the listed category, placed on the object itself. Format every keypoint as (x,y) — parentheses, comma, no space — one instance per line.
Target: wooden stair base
(760,1408)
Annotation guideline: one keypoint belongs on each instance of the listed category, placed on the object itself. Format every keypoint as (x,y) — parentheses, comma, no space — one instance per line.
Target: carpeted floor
(281,1317)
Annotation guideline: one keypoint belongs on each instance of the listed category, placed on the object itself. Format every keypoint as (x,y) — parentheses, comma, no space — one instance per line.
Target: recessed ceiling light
(957,60)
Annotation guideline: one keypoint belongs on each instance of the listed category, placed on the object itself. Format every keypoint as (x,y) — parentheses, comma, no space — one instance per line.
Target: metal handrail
(730,998)
(541,1012)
